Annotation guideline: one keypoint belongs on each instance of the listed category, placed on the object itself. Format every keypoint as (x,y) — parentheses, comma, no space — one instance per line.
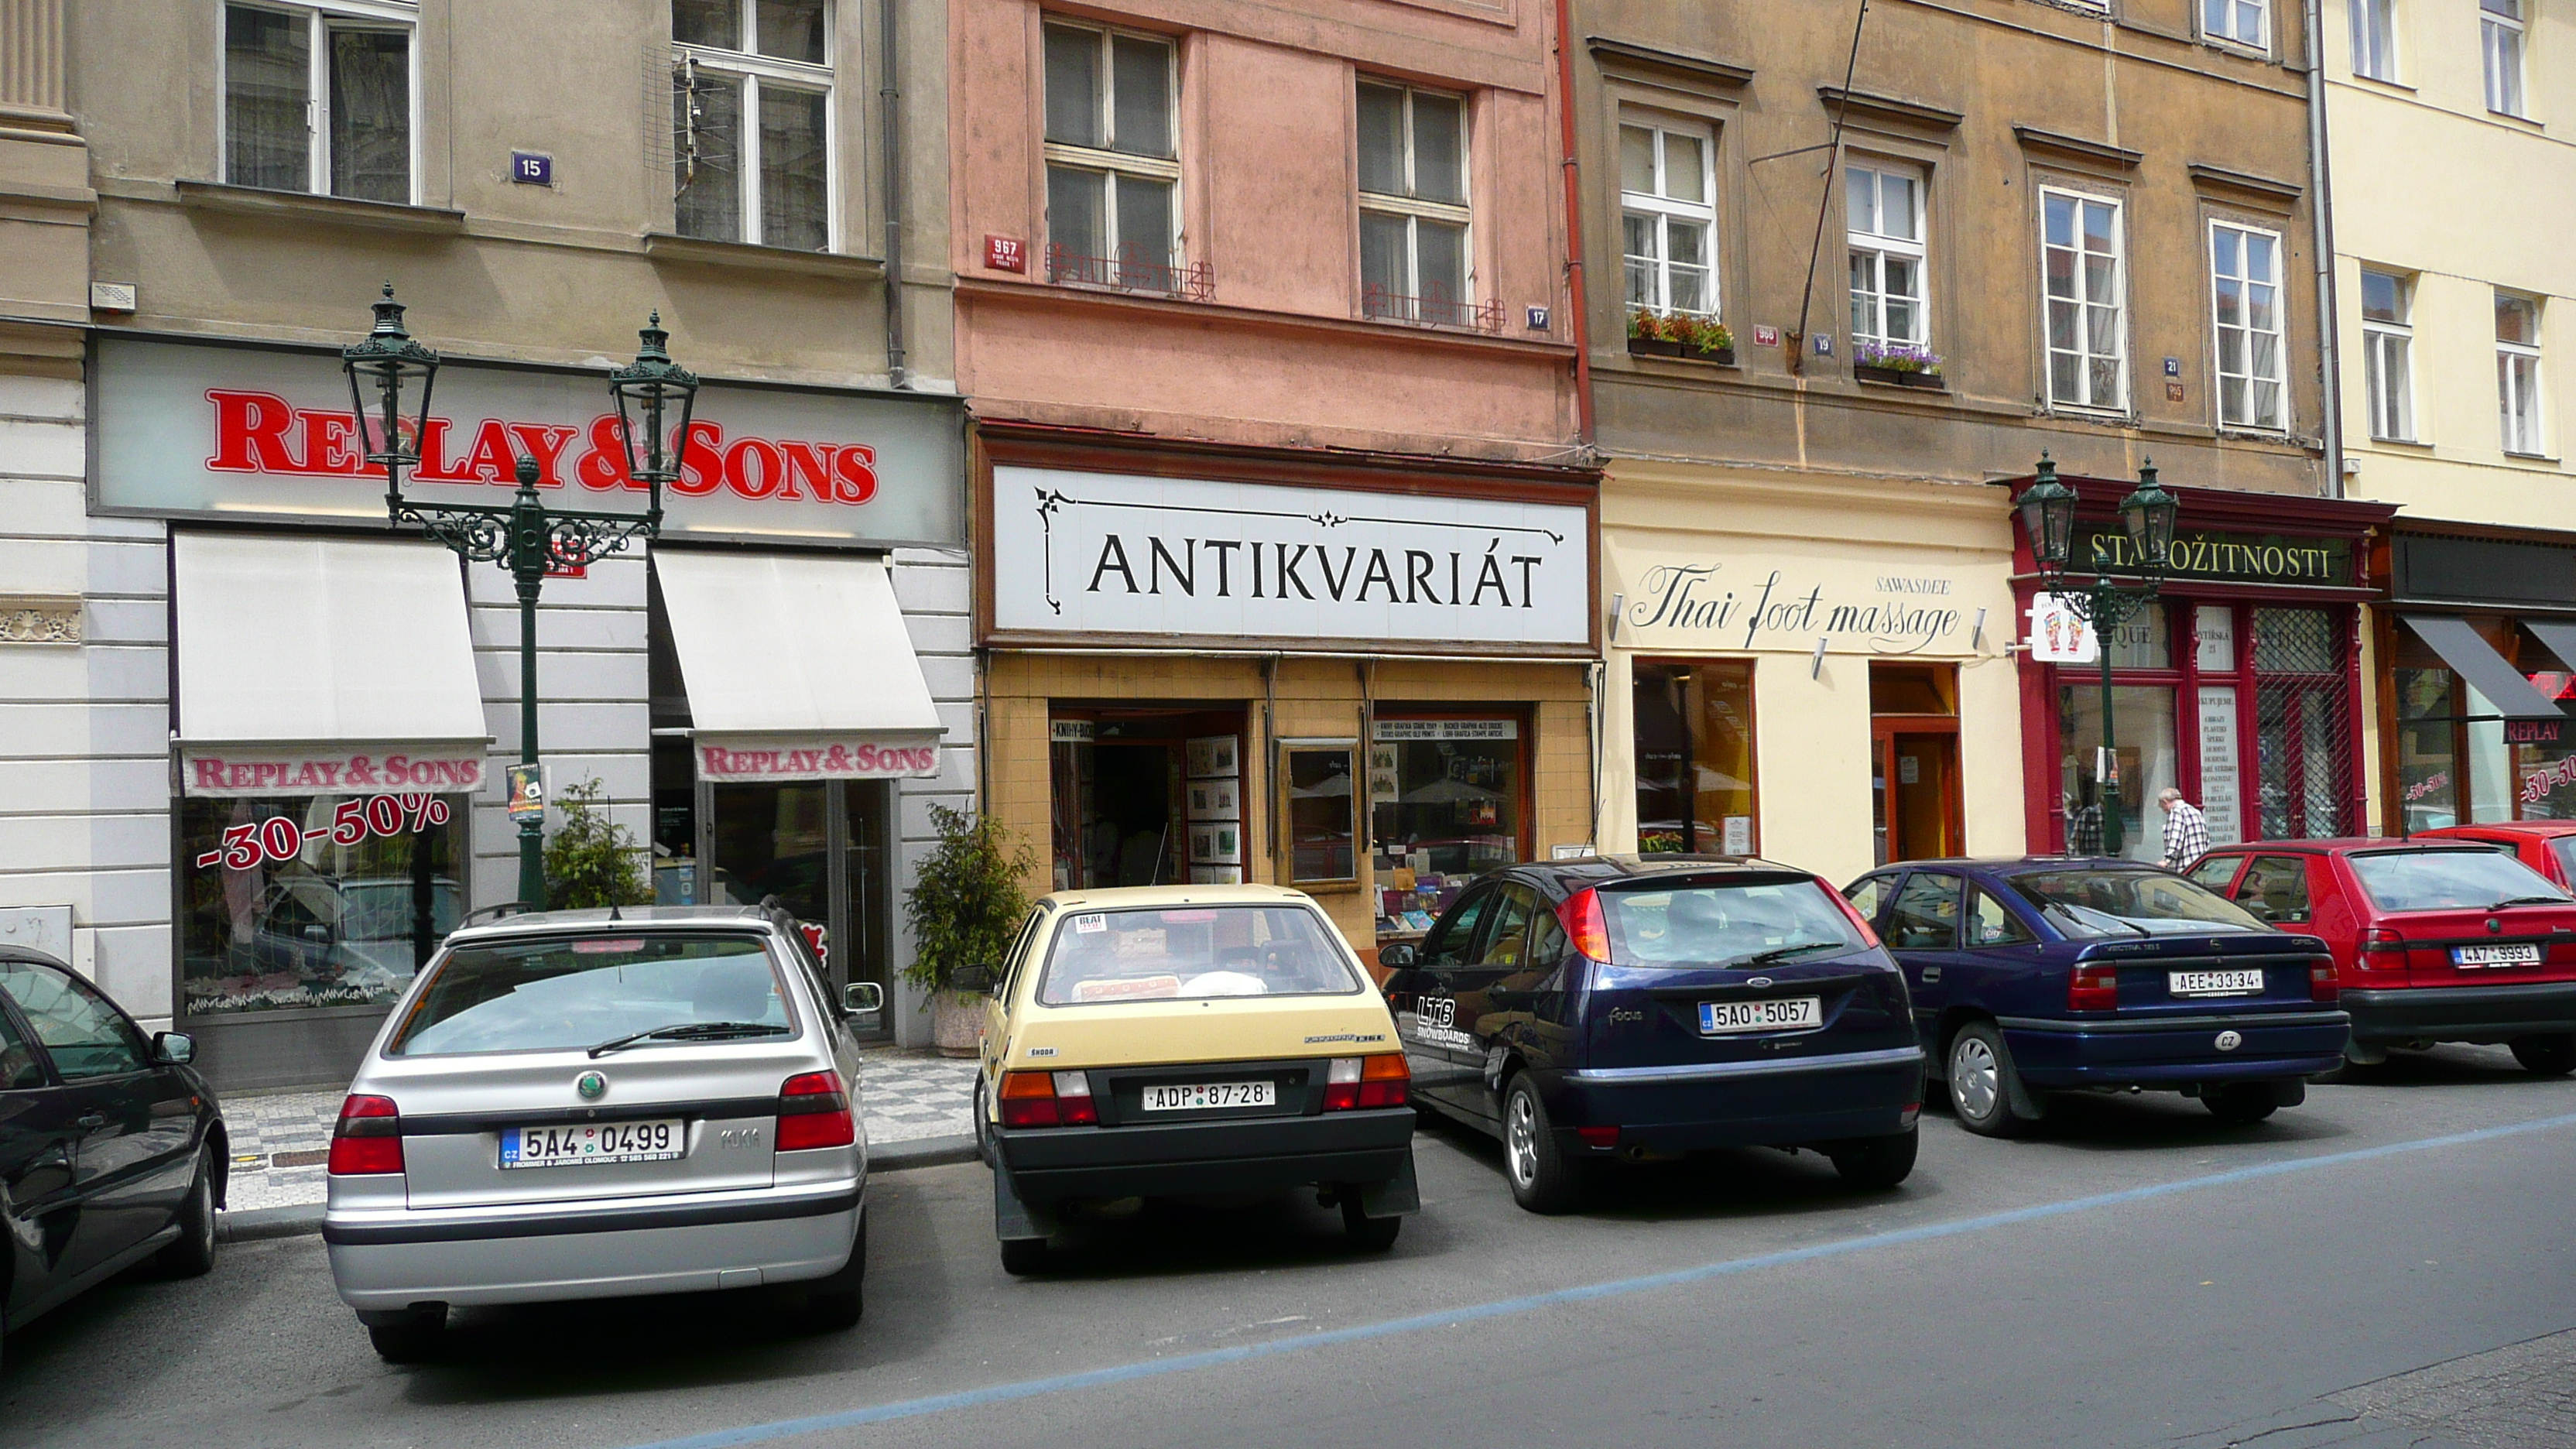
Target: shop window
(1146,796)
(318,100)
(314,900)
(2302,739)
(751,150)
(2144,640)
(1317,810)
(1446,804)
(2142,758)
(2428,757)
(1694,741)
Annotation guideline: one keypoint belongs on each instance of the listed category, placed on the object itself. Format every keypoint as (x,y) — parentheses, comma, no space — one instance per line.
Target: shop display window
(2143,748)
(1694,734)
(1145,796)
(314,900)
(1447,803)
(1317,808)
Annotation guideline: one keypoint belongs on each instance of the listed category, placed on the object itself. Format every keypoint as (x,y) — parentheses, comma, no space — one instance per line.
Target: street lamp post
(524,536)
(2147,516)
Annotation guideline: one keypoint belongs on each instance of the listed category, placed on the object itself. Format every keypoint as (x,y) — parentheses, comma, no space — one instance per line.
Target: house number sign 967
(355,821)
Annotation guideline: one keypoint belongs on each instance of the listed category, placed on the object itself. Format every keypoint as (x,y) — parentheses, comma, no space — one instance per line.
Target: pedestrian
(2186,830)
(2083,827)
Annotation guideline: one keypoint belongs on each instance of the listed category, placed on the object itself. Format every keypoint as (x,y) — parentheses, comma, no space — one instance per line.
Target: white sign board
(2059,635)
(1099,553)
(2220,799)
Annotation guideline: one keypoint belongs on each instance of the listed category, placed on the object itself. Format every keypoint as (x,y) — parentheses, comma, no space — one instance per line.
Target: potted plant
(1649,334)
(1903,364)
(1679,334)
(963,909)
(1705,339)
(592,862)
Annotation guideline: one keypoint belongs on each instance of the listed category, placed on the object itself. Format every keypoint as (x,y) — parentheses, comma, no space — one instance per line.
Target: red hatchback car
(2433,940)
(2547,846)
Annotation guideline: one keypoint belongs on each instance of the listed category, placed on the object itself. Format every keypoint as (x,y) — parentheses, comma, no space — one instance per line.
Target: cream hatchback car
(584,1104)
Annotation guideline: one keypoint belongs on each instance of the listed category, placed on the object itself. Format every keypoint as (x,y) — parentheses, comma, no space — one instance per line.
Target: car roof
(2346,845)
(2501,827)
(1990,864)
(1143,897)
(528,923)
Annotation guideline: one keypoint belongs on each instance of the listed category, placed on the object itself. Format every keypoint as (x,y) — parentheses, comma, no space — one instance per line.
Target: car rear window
(1725,923)
(1191,953)
(554,993)
(2449,880)
(2564,848)
(2129,903)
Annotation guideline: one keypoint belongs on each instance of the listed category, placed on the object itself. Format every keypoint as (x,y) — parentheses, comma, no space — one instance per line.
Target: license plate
(594,1144)
(1200,1096)
(2214,983)
(1779,1013)
(2526,954)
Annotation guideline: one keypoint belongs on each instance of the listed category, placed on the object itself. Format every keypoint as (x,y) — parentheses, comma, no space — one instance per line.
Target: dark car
(1592,1010)
(2047,973)
(2434,940)
(111,1147)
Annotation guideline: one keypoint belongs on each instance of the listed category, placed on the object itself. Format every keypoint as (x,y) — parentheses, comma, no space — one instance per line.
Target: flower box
(1895,377)
(1656,347)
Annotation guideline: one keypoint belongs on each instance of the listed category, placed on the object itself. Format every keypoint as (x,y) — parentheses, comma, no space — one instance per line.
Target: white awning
(798,667)
(324,665)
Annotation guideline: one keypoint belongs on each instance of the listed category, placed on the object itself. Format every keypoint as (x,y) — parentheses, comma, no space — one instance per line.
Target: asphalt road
(2384,1266)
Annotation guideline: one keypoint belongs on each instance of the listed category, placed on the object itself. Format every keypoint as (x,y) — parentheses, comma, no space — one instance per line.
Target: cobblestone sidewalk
(280,1142)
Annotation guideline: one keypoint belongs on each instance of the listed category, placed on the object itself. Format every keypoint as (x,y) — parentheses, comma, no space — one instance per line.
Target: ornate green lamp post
(654,397)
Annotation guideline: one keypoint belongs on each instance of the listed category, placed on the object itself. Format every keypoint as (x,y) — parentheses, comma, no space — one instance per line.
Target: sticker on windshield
(1092,924)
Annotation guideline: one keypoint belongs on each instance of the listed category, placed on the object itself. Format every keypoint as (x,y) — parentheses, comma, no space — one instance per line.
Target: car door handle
(91,1120)
(1931,973)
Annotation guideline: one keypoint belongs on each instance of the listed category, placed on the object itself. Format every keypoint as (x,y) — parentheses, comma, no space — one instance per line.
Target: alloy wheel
(1975,1081)
(1520,1146)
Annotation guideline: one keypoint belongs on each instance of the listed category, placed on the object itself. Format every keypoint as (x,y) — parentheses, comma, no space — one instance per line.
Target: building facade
(1286,543)
(1847,284)
(256,736)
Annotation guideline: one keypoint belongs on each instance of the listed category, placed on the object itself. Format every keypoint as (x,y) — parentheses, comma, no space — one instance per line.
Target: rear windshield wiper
(691,1031)
(2528,901)
(1783,953)
(2069,912)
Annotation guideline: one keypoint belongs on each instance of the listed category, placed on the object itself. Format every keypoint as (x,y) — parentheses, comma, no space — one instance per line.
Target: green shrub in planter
(592,862)
(966,902)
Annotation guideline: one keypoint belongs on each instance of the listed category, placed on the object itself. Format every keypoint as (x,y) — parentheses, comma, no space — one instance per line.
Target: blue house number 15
(532,169)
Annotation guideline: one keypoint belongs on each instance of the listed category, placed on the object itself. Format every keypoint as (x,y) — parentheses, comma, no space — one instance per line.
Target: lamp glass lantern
(2148,513)
(655,397)
(382,367)
(2048,518)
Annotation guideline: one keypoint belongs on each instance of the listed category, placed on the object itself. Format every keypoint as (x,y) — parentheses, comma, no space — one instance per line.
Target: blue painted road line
(1619,1288)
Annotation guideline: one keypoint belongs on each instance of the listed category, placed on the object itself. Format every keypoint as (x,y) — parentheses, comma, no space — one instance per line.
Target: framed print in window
(1318,811)
(1214,757)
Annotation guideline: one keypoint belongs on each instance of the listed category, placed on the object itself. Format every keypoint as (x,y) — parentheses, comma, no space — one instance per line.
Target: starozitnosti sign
(2200,553)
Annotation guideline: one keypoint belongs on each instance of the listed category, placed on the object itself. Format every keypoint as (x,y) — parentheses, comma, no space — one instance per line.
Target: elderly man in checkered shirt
(2186,830)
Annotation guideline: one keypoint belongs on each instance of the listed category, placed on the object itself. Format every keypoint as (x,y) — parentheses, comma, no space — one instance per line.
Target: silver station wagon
(588,1104)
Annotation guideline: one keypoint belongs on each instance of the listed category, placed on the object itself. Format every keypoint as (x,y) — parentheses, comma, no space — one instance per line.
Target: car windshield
(2564,848)
(2130,903)
(1725,923)
(1190,953)
(554,993)
(2449,880)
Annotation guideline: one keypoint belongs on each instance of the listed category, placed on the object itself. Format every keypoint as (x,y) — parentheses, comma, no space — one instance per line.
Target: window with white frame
(2518,373)
(1883,212)
(2388,353)
(752,121)
(2246,22)
(2500,39)
(1112,160)
(319,99)
(2245,295)
(1668,216)
(2374,38)
(1413,206)
(2087,323)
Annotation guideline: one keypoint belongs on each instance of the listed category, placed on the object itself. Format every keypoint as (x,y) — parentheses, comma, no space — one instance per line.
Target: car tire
(1983,1085)
(193,1254)
(2240,1104)
(1365,1233)
(1876,1162)
(1024,1256)
(1542,1180)
(416,1339)
(835,1302)
(2552,1054)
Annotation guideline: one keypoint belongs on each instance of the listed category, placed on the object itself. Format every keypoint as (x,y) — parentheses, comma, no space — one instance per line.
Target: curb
(300,1220)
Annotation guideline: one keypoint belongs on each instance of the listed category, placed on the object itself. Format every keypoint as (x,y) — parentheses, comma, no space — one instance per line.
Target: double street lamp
(2048,521)
(524,535)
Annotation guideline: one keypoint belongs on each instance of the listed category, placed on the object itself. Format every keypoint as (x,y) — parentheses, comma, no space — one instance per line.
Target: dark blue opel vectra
(2049,973)
(1592,1010)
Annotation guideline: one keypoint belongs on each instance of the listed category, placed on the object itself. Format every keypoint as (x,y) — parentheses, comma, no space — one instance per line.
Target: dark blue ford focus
(1594,1010)
(2043,974)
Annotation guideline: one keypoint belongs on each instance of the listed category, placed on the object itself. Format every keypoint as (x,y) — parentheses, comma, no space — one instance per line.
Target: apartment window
(2245,286)
(2246,22)
(752,121)
(319,100)
(1668,217)
(1413,207)
(2388,354)
(1883,208)
(1113,169)
(2518,372)
(2500,37)
(2087,320)
(2374,38)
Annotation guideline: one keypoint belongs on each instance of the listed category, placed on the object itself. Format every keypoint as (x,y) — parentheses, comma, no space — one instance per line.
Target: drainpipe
(890,100)
(1573,224)
(2322,207)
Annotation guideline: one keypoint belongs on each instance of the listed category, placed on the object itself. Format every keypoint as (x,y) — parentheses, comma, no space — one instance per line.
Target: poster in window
(1218,842)
(1216,875)
(1216,800)
(1738,835)
(1214,757)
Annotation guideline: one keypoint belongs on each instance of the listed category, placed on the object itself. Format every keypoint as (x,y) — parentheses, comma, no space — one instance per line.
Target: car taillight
(2382,942)
(1599,1139)
(1371,1081)
(1585,927)
(368,1138)
(1048,1099)
(814,1111)
(1857,919)
(2093,986)
(2321,979)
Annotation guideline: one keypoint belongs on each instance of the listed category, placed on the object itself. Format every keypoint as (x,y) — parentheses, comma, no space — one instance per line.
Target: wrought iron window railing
(1132,270)
(1434,309)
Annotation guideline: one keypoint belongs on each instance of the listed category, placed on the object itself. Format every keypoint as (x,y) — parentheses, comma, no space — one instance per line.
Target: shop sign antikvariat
(187,429)
(1852,607)
(1099,553)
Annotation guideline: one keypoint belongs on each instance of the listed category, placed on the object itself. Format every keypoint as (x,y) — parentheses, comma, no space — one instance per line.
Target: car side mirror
(862,998)
(173,1048)
(974,980)
(1399,956)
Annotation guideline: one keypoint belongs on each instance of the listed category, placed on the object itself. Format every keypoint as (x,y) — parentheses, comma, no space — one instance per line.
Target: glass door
(821,848)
